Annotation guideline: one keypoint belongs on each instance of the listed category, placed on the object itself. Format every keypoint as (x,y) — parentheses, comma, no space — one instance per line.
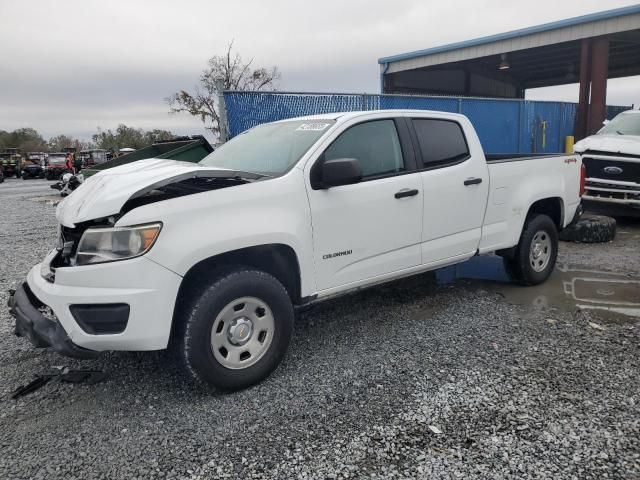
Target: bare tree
(223,72)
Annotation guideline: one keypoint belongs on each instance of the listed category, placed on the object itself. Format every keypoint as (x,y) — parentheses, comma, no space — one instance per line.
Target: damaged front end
(182,187)
(73,316)
(105,198)
(121,189)
(33,323)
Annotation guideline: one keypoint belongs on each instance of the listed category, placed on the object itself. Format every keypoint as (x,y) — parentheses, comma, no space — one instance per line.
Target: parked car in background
(11,162)
(34,165)
(612,160)
(56,165)
(90,158)
(188,149)
(210,259)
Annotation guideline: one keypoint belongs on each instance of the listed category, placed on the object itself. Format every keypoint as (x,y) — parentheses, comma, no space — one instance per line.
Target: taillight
(583,177)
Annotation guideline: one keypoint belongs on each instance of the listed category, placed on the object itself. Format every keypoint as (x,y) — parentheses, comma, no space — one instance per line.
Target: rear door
(455,182)
(371,228)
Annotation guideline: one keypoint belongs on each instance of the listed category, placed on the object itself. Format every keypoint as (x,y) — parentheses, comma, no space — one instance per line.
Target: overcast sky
(72,66)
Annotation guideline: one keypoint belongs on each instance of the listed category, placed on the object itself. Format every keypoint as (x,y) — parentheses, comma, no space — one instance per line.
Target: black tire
(590,229)
(520,265)
(192,343)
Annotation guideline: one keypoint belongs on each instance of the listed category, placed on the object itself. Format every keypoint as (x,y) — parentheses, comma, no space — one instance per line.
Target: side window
(375,144)
(441,141)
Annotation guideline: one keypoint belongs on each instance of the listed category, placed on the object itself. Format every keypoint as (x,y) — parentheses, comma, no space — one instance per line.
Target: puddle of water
(628,227)
(609,296)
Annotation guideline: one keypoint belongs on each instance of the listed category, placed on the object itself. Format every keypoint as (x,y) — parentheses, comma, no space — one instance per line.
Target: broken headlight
(99,245)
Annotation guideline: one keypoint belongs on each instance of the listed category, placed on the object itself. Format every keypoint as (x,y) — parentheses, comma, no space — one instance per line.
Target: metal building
(586,50)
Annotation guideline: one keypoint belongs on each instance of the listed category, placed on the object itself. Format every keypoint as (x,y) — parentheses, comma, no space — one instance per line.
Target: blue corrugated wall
(504,126)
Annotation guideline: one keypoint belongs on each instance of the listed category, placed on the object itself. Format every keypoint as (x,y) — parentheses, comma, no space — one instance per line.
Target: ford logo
(613,170)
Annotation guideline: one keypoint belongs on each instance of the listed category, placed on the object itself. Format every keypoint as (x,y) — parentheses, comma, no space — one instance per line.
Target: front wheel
(236,332)
(535,256)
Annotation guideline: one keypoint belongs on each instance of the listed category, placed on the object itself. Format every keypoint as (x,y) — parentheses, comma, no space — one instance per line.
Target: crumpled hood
(627,144)
(105,193)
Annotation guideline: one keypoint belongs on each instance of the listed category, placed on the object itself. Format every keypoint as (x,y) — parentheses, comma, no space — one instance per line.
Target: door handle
(406,193)
(472,181)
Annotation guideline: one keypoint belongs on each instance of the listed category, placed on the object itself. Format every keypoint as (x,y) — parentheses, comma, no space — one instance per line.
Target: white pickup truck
(211,259)
(612,161)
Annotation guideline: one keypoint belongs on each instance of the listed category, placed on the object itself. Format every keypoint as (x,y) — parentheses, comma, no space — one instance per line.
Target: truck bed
(515,185)
(515,157)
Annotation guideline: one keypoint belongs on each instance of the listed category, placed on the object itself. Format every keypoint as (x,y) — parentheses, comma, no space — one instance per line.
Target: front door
(366,230)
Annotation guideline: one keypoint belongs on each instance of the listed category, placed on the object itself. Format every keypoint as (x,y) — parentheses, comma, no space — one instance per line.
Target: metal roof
(569,22)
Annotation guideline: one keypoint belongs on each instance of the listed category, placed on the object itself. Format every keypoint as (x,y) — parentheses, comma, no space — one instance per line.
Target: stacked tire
(590,229)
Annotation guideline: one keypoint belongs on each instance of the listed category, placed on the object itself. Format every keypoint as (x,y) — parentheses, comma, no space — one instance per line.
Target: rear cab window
(442,142)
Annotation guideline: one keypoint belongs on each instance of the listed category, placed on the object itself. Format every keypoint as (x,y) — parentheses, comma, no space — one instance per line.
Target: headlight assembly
(99,245)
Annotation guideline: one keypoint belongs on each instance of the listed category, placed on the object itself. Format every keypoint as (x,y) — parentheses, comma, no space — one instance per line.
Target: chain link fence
(504,126)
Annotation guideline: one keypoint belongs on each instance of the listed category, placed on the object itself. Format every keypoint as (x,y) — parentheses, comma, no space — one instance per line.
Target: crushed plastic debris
(63,374)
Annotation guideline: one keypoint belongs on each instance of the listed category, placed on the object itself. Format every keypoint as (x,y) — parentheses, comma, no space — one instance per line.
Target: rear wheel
(236,332)
(535,256)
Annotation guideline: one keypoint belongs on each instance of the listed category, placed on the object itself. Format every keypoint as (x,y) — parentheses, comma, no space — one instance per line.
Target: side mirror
(605,122)
(341,171)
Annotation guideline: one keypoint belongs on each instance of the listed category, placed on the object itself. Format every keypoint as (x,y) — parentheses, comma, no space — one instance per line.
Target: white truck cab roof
(346,116)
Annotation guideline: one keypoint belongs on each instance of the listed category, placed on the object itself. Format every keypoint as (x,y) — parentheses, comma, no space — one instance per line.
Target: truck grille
(68,245)
(605,192)
(70,239)
(612,167)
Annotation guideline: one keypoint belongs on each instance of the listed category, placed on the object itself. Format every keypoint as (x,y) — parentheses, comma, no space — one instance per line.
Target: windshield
(57,159)
(270,149)
(622,124)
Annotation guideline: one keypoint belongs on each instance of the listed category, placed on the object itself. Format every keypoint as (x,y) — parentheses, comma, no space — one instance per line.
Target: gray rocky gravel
(369,381)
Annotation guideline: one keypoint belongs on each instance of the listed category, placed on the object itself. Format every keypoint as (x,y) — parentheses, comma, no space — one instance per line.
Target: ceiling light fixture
(504,64)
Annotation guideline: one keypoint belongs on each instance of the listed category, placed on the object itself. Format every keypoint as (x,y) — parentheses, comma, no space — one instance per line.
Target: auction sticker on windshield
(313,126)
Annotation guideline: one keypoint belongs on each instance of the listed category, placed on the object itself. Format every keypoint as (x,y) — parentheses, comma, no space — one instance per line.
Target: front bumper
(611,209)
(34,172)
(41,331)
(148,289)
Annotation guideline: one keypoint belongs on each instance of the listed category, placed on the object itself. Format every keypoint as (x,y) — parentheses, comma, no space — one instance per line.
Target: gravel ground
(410,380)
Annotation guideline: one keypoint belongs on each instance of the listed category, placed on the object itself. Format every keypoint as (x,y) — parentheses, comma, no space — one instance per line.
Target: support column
(582,114)
(599,73)
(467,83)
(388,85)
